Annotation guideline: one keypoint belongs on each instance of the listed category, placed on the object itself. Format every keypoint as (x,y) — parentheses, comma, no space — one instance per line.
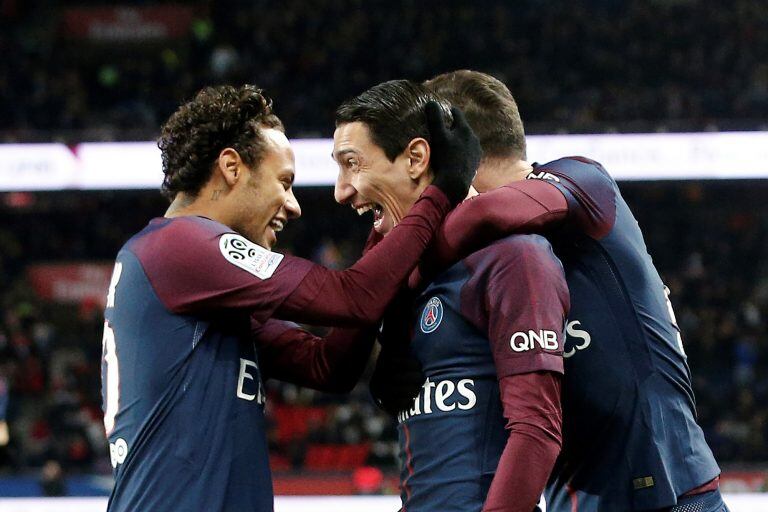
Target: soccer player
(193,292)
(484,431)
(630,437)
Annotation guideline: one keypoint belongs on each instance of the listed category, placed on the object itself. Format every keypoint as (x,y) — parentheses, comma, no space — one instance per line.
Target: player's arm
(531,404)
(524,291)
(209,276)
(333,363)
(397,376)
(528,206)
(589,190)
(575,193)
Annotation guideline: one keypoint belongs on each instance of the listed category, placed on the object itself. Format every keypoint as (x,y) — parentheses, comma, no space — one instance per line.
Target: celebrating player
(484,430)
(630,437)
(181,379)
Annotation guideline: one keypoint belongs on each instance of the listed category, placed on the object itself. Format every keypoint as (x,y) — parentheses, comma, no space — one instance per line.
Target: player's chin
(267,239)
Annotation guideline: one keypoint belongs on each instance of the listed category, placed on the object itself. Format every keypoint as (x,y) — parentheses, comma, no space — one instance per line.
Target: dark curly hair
(217,118)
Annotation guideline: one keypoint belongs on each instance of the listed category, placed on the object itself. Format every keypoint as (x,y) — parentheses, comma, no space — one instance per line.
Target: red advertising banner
(72,283)
(122,24)
(744,481)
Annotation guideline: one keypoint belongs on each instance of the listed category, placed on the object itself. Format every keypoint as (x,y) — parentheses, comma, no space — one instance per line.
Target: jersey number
(112,395)
(109,353)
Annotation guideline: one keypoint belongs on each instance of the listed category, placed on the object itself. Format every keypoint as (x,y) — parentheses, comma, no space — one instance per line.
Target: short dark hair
(217,118)
(393,112)
(490,110)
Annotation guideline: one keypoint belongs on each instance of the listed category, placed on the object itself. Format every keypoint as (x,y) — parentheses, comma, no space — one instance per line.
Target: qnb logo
(118,451)
(431,316)
(573,332)
(443,395)
(542,175)
(523,341)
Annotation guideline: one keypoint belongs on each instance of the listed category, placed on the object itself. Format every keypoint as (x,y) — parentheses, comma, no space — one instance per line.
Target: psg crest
(432,315)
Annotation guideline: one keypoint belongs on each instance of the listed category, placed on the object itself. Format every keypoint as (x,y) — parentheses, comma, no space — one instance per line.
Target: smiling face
(263,198)
(369,181)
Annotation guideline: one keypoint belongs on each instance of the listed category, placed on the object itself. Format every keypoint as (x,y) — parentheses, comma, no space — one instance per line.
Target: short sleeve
(517,294)
(589,190)
(198,266)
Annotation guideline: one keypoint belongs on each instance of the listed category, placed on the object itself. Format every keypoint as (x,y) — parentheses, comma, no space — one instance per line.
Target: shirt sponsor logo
(250,257)
(543,175)
(432,315)
(441,396)
(249,373)
(523,341)
(582,338)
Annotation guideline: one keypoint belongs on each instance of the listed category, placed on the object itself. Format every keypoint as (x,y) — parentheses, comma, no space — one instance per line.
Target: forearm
(333,363)
(527,206)
(360,294)
(531,406)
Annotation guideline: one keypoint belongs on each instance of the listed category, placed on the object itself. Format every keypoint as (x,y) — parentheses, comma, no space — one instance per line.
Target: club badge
(432,315)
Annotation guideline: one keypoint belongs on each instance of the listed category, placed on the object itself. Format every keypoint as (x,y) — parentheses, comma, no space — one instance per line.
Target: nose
(343,191)
(292,207)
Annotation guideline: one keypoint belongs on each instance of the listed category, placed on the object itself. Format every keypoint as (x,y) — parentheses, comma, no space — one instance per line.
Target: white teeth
(277,225)
(363,209)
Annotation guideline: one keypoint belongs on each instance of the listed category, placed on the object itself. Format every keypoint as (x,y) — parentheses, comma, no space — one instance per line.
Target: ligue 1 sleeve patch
(250,257)
(431,316)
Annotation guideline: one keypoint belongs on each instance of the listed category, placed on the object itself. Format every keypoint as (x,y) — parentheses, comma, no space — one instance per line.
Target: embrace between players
(515,364)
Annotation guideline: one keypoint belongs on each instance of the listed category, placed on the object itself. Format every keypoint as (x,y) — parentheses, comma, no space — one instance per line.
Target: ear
(229,165)
(418,153)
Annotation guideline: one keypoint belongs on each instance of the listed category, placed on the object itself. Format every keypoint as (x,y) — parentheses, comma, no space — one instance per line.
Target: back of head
(489,108)
(393,112)
(217,118)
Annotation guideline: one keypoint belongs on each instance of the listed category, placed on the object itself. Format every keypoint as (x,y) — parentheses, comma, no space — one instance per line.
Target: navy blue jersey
(499,312)
(182,388)
(630,437)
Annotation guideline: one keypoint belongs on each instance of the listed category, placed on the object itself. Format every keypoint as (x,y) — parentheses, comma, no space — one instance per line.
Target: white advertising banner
(131,165)
(37,167)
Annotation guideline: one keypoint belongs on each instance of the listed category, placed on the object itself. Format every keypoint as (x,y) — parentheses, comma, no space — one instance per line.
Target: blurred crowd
(587,66)
(707,239)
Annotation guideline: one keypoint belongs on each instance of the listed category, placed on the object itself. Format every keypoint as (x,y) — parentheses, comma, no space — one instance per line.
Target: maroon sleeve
(333,363)
(528,206)
(199,266)
(531,403)
(374,237)
(517,294)
(588,189)
(360,294)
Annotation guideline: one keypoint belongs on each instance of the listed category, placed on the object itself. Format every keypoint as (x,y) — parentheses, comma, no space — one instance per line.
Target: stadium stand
(77,74)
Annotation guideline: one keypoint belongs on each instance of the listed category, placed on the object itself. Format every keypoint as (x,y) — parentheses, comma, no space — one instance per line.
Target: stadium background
(89,71)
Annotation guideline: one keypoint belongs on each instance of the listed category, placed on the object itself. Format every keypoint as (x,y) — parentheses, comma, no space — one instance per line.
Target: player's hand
(397,379)
(455,154)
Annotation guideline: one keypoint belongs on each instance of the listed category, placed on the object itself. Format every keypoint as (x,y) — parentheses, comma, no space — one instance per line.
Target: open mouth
(378,213)
(277,225)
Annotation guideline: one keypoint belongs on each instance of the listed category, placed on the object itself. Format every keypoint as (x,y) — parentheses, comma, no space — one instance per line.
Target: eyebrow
(336,155)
